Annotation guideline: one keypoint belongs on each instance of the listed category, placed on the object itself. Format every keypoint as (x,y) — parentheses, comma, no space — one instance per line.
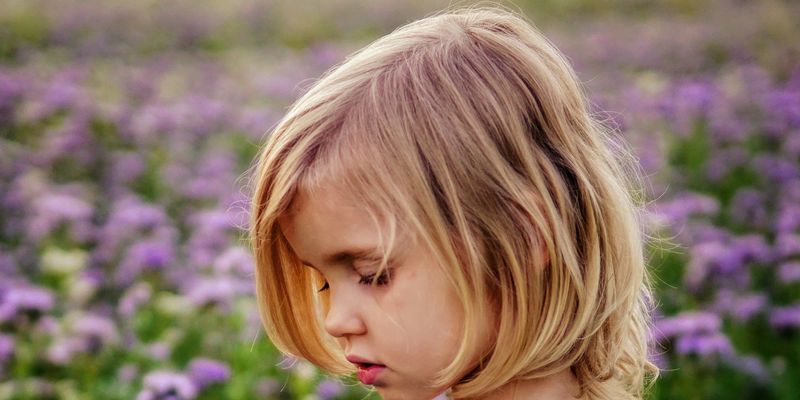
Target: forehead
(327,225)
(320,204)
(327,220)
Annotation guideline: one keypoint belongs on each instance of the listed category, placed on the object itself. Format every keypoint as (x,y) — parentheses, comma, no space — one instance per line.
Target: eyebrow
(344,256)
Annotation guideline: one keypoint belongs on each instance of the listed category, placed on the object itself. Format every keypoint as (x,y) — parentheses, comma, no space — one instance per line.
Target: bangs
(369,151)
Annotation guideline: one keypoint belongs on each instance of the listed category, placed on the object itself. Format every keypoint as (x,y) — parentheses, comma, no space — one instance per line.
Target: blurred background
(127,129)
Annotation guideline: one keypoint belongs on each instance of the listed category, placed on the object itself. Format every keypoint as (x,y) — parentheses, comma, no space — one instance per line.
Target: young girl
(441,213)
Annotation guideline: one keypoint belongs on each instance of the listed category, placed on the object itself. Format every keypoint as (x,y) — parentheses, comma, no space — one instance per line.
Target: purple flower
(143,256)
(127,373)
(749,207)
(782,107)
(141,85)
(687,323)
(126,167)
(63,349)
(687,204)
(53,209)
(88,333)
(753,248)
(132,213)
(726,259)
(202,115)
(133,298)
(787,245)
(789,272)
(723,161)
(750,365)
(167,385)
(132,219)
(707,258)
(12,89)
(323,54)
(785,317)
(211,235)
(96,331)
(704,345)
(696,96)
(8,266)
(62,92)
(213,291)
(71,140)
(791,145)
(704,232)
(149,123)
(212,220)
(212,177)
(47,325)
(788,219)
(278,86)
(688,101)
(255,121)
(329,389)
(6,348)
(236,259)
(790,192)
(777,169)
(727,126)
(740,307)
(159,350)
(19,300)
(205,372)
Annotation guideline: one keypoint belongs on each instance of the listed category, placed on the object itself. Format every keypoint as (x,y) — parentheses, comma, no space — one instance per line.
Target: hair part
(471,130)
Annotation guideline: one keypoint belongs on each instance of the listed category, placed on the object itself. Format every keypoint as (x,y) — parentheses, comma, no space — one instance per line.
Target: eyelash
(382,280)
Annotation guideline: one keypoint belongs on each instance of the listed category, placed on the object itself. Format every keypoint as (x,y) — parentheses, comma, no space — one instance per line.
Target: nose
(344,316)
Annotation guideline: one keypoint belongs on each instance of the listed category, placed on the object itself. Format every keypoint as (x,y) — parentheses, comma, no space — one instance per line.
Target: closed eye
(382,280)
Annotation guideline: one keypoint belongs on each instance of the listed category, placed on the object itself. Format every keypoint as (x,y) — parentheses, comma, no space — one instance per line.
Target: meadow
(127,131)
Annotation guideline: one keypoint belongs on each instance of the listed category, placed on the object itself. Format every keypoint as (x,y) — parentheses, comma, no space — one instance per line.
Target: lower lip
(369,375)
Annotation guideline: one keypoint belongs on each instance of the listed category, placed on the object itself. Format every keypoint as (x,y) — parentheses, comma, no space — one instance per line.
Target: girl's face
(410,323)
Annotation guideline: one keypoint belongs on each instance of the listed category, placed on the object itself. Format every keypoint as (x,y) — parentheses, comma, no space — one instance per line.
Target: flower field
(127,132)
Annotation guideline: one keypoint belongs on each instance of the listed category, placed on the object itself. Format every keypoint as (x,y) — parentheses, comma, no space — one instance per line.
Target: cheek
(451,328)
(423,314)
(434,322)
(421,311)
(423,304)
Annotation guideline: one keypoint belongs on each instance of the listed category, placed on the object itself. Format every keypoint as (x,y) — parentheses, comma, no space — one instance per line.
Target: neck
(559,386)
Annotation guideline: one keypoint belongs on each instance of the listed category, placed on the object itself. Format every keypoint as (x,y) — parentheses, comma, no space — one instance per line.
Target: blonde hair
(470,129)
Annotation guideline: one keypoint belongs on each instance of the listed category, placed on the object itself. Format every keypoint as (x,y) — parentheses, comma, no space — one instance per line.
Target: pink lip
(368,371)
(368,375)
(359,360)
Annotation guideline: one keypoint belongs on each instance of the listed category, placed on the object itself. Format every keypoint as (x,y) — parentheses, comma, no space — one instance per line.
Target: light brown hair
(470,129)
